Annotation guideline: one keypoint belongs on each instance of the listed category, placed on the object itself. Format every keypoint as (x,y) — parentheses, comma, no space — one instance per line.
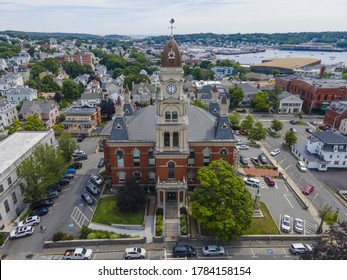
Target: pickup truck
(81,253)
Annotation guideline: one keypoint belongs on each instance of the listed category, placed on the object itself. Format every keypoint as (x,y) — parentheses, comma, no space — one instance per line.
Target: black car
(80,157)
(101,162)
(68,176)
(41,204)
(262,158)
(64,182)
(92,189)
(183,251)
(87,199)
(243,160)
(39,212)
(76,165)
(81,138)
(55,188)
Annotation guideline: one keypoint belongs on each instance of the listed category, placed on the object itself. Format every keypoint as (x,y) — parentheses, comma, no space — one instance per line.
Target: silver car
(298,225)
(285,225)
(213,250)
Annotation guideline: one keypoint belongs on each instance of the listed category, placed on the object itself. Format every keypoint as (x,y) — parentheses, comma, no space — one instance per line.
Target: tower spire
(172,21)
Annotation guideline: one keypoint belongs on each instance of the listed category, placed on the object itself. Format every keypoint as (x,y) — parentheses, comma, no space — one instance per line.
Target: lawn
(265,225)
(107,212)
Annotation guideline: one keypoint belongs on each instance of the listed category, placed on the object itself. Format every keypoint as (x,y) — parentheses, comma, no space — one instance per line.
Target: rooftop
(329,137)
(289,63)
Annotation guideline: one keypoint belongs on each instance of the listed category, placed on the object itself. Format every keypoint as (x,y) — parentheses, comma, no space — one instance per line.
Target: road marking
(285,195)
(323,205)
(287,167)
(282,161)
(253,255)
(78,217)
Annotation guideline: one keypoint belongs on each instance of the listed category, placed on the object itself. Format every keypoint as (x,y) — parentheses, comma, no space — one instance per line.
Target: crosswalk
(78,217)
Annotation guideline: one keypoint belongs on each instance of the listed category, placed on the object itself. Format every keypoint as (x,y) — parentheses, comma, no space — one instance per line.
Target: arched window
(171,170)
(120,159)
(191,158)
(136,157)
(166,139)
(223,154)
(207,155)
(151,159)
(175,139)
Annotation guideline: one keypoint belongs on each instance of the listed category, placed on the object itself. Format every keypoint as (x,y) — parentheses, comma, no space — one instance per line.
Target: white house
(91,99)
(18,94)
(8,113)
(289,103)
(13,150)
(323,150)
(343,126)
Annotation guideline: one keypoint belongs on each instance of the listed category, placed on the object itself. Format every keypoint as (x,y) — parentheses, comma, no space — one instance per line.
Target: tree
(71,90)
(275,72)
(222,203)
(131,198)
(344,76)
(34,123)
(136,79)
(199,104)
(107,108)
(43,168)
(235,120)
(300,115)
(236,95)
(290,138)
(247,123)
(261,101)
(332,246)
(274,101)
(276,125)
(257,132)
(67,146)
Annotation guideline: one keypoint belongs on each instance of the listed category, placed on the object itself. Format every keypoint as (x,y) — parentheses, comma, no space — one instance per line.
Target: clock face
(171,89)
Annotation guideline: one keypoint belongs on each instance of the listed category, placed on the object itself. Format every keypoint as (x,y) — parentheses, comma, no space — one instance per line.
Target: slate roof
(80,111)
(223,130)
(248,88)
(40,106)
(329,137)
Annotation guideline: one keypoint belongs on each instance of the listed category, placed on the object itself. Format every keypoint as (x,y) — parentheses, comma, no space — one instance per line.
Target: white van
(301,165)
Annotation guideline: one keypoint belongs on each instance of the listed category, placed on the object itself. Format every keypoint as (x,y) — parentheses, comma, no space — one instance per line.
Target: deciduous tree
(236,95)
(276,125)
(33,123)
(247,123)
(257,132)
(222,203)
(261,101)
(290,138)
(67,146)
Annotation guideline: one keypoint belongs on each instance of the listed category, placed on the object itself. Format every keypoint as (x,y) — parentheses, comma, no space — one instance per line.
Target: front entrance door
(171,195)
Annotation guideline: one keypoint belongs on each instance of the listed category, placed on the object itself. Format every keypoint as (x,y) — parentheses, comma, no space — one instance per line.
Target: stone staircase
(171,221)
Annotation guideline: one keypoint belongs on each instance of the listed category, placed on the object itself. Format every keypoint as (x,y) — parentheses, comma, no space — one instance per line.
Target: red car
(308,189)
(269,181)
(243,132)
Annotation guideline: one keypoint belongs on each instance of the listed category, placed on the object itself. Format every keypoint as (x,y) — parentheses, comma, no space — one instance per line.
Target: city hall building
(163,146)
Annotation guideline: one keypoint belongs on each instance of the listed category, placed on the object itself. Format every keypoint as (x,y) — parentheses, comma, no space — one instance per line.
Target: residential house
(91,99)
(335,113)
(222,71)
(250,91)
(13,79)
(101,70)
(8,113)
(323,150)
(143,93)
(14,150)
(18,94)
(343,126)
(3,64)
(205,93)
(83,79)
(289,103)
(93,86)
(46,110)
(82,120)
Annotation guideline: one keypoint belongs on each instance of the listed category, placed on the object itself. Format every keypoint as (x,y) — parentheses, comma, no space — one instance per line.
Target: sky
(151,17)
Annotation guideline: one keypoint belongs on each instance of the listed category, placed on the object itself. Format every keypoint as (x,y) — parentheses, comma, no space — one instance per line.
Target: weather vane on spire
(172,21)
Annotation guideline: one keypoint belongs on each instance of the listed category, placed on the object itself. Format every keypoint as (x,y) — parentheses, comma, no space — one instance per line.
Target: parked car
(81,137)
(39,212)
(68,176)
(285,224)
(243,160)
(262,158)
(101,162)
(101,148)
(269,181)
(275,152)
(41,203)
(309,130)
(313,122)
(79,153)
(213,250)
(64,182)
(300,248)
(308,189)
(134,253)
(55,188)
(251,181)
(95,179)
(301,165)
(237,132)
(76,165)
(239,142)
(92,189)
(243,147)
(292,122)
(183,251)
(292,129)
(30,221)
(298,225)
(324,127)
(21,232)
(87,199)
(80,157)
(255,161)
(52,195)
(70,171)
(243,132)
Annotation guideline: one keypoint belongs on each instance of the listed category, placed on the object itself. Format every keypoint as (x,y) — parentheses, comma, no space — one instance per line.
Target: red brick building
(164,145)
(317,94)
(335,113)
(79,58)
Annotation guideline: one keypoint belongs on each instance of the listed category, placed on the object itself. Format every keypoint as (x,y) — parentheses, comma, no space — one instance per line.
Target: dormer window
(171,55)
(224,125)
(118,126)
(215,110)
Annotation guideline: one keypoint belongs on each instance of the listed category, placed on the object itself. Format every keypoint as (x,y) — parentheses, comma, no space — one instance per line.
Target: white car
(79,153)
(251,181)
(213,250)
(21,232)
(298,225)
(243,147)
(30,221)
(285,225)
(275,152)
(300,248)
(95,179)
(134,253)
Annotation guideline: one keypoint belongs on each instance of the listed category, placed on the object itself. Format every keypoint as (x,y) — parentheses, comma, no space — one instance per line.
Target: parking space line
(254,256)
(287,167)
(285,195)
(282,161)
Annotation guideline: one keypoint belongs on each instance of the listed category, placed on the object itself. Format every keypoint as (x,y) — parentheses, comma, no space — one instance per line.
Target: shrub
(91,235)
(57,236)
(184,224)
(159,225)
(84,232)
(2,238)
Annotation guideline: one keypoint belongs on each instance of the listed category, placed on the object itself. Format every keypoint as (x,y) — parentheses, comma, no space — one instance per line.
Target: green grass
(107,212)
(265,225)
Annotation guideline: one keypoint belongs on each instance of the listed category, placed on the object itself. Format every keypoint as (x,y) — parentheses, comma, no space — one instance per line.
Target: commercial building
(335,113)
